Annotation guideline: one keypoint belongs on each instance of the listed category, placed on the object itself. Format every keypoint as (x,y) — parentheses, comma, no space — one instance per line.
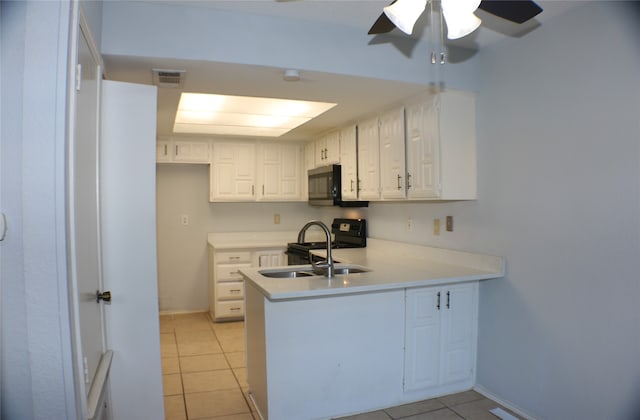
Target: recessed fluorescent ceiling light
(243,115)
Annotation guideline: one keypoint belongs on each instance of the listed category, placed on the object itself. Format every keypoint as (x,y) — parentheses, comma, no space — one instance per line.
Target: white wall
(560,174)
(559,197)
(37,378)
(559,188)
(182,250)
(203,33)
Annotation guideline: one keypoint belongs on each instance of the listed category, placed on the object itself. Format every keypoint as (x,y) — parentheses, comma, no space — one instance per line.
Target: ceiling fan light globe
(405,13)
(460,25)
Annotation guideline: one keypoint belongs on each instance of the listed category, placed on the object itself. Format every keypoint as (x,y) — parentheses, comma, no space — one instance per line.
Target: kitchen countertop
(393,265)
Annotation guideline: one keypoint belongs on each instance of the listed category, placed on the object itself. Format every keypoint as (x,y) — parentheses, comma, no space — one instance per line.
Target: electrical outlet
(185,220)
(276,219)
(449,223)
(436,227)
(409,225)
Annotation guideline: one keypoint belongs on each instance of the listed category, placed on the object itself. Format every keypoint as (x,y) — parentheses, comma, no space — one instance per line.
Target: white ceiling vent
(168,78)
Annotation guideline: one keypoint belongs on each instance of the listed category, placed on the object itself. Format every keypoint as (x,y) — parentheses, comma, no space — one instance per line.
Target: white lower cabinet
(226,284)
(440,338)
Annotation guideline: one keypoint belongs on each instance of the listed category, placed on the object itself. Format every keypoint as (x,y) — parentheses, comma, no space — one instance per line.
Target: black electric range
(348,233)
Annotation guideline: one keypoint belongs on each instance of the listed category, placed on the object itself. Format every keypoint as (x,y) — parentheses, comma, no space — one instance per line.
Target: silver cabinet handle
(408,181)
(399,182)
(176,150)
(438,302)
(234,309)
(352,185)
(448,300)
(166,151)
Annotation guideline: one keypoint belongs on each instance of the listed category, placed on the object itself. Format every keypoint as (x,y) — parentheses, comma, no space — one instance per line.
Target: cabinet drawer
(229,272)
(232,257)
(230,290)
(229,309)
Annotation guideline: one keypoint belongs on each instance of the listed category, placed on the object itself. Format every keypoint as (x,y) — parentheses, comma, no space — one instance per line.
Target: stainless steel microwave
(325,188)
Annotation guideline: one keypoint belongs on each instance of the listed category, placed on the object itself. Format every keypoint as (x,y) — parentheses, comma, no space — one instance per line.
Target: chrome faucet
(328,263)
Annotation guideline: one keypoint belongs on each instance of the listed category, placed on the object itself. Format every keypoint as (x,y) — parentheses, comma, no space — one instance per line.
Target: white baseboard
(202,311)
(482,390)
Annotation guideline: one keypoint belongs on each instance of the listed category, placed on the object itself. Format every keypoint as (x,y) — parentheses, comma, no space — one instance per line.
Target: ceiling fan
(458,14)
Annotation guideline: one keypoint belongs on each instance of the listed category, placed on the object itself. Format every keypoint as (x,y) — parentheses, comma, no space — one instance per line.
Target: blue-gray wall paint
(559,146)
(559,190)
(36,376)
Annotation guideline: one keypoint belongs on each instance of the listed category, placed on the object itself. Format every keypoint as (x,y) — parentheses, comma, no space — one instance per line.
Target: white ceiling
(356,96)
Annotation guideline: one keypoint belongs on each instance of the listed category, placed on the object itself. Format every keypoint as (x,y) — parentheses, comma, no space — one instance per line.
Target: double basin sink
(294,272)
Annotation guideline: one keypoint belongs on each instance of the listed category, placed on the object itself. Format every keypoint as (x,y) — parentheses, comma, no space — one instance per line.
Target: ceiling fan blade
(382,25)
(518,11)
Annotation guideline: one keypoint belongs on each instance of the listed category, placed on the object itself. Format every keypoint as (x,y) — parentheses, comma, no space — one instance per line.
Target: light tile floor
(204,377)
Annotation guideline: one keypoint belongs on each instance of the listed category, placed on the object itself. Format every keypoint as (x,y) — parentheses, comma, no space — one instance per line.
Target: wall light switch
(449,223)
(436,227)
(276,219)
(185,220)
(409,225)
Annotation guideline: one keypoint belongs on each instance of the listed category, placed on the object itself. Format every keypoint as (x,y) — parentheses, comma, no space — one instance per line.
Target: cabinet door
(349,163)
(280,172)
(368,160)
(458,332)
(441,333)
(332,148)
(162,151)
(310,155)
(233,172)
(422,150)
(392,155)
(191,151)
(422,335)
(269,258)
(328,149)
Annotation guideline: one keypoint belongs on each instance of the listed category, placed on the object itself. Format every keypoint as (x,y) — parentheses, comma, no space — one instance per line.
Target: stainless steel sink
(286,274)
(298,272)
(350,270)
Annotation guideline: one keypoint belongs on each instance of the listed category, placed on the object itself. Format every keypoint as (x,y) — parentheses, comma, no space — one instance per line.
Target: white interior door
(129,257)
(84,225)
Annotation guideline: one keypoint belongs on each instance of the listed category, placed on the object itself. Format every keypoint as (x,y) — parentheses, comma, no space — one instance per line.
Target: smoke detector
(291,75)
(168,78)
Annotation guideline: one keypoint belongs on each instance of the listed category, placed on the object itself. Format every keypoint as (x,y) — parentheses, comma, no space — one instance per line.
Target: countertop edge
(323,293)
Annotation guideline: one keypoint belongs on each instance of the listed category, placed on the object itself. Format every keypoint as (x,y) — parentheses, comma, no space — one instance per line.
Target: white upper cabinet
(233,172)
(368,160)
(392,155)
(309,155)
(422,150)
(280,172)
(191,151)
(441,147)
(163,150)
(349,163)
(182,151)
(328,149)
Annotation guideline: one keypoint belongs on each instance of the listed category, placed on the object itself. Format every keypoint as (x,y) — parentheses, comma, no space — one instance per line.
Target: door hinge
(85,364)
(78,76)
